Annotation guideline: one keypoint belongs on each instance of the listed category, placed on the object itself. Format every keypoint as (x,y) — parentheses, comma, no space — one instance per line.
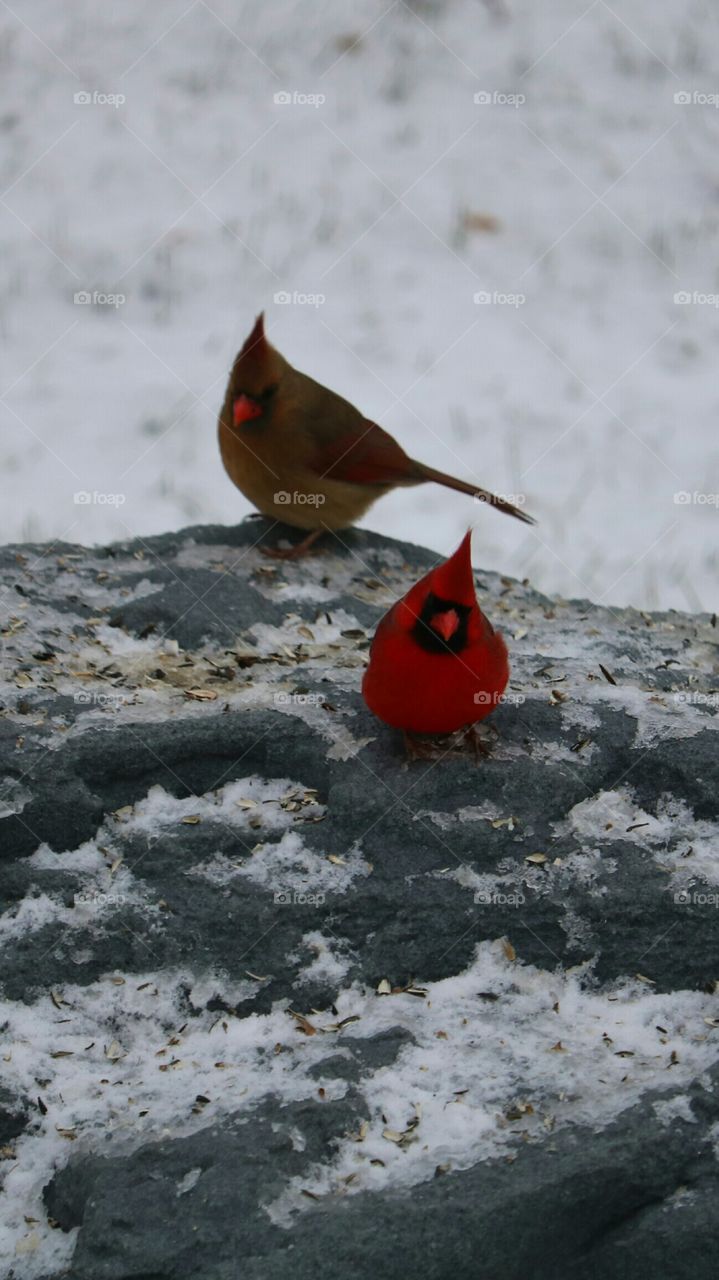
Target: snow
(199,198)
(549,1042)
(681,844)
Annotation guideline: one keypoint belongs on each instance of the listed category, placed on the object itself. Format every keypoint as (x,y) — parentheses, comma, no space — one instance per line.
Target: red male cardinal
(307,457)
(436,663)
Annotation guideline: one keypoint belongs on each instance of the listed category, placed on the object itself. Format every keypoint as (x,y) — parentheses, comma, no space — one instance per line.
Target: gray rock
(212,855)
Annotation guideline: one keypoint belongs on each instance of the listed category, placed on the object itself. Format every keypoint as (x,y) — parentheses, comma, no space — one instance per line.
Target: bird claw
(481,747)
(419,748)
(284,553)
(435,748)
(293,553)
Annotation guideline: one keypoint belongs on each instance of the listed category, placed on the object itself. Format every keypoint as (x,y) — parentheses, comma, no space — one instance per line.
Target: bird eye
(268,392)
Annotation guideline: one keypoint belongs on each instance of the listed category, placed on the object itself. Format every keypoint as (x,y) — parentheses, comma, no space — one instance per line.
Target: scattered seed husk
(191,819)
(392,1135)
(339,1026)
(537,858)
(303,1023)
(519,1110)
(607,674)
(201,695)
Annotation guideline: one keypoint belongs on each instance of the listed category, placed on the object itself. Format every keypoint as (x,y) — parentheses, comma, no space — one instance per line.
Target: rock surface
(277,1001)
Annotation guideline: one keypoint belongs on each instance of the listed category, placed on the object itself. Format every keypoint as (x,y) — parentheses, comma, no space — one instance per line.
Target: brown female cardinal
(304,455)
(436,663)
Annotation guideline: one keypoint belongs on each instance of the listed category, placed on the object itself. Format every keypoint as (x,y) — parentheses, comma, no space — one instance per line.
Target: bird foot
(292,553)
(436,748)
(480,744)
(419,748)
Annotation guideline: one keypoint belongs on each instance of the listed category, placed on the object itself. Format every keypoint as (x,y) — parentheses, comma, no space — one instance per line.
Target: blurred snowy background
(577,181)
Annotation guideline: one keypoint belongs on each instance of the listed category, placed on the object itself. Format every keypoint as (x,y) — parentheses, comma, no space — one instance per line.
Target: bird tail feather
(474,491)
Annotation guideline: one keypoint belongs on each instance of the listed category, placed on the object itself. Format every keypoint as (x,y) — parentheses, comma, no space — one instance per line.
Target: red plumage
(436,663)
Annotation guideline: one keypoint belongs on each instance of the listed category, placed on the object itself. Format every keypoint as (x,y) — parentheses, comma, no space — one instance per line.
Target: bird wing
(364,454)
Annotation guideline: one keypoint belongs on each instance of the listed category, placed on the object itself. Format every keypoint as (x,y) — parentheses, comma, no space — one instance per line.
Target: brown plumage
(304,455)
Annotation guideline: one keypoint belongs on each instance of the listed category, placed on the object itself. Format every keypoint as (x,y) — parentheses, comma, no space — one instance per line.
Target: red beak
(245,409)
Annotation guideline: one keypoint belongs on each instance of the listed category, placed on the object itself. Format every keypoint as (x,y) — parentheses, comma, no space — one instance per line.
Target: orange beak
(245,409)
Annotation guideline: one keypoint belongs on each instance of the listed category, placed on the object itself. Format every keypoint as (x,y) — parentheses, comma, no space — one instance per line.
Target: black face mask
(430,640)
